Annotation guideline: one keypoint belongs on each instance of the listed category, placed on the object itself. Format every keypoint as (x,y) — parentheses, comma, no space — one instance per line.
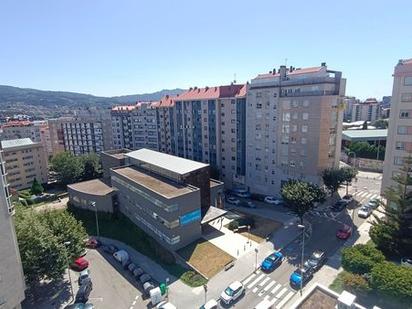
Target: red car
(79,264)
(92,243)
(344,232)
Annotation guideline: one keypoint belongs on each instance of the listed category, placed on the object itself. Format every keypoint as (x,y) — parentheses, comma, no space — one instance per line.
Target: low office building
(25,161)
(375,136)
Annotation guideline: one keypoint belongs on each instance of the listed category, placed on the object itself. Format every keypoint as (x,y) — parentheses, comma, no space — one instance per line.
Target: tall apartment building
(135,126)
(210,128)
(399,142)
(20,129)
(12,284)
(89,131)
(166,124)
(25,161)
(294,126)
(368,110)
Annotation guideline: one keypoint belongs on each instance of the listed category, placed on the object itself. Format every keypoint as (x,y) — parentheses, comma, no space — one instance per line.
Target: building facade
(368,110)
(294,126)
(25,161)
(399,141)
(12,284)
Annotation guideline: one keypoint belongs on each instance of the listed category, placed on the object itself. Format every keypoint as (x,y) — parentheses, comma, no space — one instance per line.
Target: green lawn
(124,230)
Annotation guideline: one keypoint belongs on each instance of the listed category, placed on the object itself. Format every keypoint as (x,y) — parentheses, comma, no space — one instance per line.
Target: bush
(233,225)
(246,221)
(392,280)
(360,259)
(355,283)
(192,278)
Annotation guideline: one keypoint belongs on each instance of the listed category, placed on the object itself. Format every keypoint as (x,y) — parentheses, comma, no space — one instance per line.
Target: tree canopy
(301,196)
(36,187)
(366,150)
(334,178)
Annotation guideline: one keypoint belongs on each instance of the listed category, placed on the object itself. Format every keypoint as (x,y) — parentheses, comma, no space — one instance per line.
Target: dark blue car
(272,261)
(300,277)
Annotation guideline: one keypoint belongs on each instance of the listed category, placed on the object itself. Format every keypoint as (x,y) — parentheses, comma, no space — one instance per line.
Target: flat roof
(165,161)
(93,187)
(157,184)
(17,143)
(117,153)
(365,134)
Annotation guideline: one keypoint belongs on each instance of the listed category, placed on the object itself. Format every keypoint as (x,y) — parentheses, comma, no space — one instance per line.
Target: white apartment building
(16,129)
(294,126)
(368,110)
(399,142)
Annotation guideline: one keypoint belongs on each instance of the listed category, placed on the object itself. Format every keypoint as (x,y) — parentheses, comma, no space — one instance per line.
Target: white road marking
(269,286)
(134,303)
(261,293)
(284,300)
(249,278)
(264,281)
(276,288)
(255,289)
(255,281)
(279,295)
(137,296)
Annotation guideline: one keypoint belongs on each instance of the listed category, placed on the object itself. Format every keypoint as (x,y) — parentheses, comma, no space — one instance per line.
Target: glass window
(400,146)
(303,140)
(406,97)
(404,114)
(304,128)
(402,130)
(305,116)
(286,116)
(407,81)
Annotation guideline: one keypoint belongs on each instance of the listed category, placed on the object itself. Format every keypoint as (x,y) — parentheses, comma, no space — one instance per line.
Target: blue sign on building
(190,217)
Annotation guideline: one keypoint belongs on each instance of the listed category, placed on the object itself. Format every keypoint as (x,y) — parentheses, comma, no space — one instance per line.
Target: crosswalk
(365,195)
(268,289)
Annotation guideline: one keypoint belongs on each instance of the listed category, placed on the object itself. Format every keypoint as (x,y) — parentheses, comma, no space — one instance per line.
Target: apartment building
(209,127)
(135,126)
(12,284)
(368,110)
(294,126)
(399,142)
(90,130)
(25,161)
(20,129)
(166,124)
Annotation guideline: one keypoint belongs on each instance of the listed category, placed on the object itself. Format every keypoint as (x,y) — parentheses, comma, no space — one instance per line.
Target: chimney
(323,64)
(282,72)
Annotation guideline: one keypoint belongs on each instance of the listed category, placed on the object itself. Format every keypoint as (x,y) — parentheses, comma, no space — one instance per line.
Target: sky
(123,47)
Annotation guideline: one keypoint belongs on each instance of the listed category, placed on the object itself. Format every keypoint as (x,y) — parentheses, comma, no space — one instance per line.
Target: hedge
(392,280)
(360,259)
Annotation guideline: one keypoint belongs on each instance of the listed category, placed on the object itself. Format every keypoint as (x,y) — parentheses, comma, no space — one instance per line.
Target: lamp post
(256,255)
(301,226)
(356,190)
(93,204)
(67,243)
(205,288)
(167,288)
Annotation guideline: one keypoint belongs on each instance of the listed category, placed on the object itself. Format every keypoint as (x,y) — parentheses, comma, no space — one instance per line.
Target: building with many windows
(12,284)
(399,141)
(25,161)
(368,110)
(294,126)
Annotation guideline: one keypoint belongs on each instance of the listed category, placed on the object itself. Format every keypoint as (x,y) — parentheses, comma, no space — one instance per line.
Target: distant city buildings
(399,142)
(25,161)
(355,110)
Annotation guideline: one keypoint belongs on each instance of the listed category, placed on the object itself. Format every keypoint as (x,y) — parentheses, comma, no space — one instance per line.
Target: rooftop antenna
(234,78)
(286,62)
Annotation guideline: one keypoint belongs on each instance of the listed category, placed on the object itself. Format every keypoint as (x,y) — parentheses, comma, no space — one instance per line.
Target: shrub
(360,259)
(355,283)
(192,278)
(233,225)
(392,280)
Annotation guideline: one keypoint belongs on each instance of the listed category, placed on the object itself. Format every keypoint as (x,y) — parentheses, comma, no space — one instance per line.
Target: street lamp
(205,288)
(256,254)
(356,190)
(167,288)
(93,204)
(301,226)
(67,243)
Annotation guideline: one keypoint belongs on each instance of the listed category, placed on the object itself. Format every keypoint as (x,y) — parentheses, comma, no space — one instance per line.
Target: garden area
(121,228)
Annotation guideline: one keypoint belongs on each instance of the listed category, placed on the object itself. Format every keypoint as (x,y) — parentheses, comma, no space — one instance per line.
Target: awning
(212,214)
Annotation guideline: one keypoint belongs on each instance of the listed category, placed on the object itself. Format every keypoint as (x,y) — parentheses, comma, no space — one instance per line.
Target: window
(304,128)
(294,128)
(303,140)
(406,97)
(407,81)
(305,116)
(305,103)
(286,116)
(400,145)
(402,130)
(404,114)
(398,160)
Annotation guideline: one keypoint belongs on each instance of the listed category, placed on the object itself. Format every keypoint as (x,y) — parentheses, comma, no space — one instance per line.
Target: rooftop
(17,143)
(229,91)
(365,134)
(93,187)
(117,153)
(297,71)
(165,161)
(156,184)
(17,123)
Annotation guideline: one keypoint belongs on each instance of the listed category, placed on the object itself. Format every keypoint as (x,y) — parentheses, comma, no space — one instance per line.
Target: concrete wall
(109,161)
(82,200)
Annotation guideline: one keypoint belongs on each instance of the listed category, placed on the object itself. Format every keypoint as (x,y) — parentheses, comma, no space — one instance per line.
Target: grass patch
(123,229)
(337,284)
(205,257)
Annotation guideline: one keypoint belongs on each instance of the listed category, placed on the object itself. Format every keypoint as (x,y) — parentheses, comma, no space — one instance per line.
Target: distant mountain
(13,95)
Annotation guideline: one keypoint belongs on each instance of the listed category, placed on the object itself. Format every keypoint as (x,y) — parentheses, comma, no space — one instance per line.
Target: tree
(366,150)
(42,255)
(360,259)
(347,175)
(392,280)
(36,188)
(301,196)
(355,283)
(91,166)
(68,167)
(392,233)
(381,124)
(332,179)
(365,125)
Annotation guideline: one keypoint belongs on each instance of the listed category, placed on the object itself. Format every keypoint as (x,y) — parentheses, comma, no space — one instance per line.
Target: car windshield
(364,208)
(299,271)
(229,291)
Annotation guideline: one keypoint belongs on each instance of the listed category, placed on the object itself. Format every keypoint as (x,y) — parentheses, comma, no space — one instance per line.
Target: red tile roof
(167,101)
(210,93)
(123,108)
(17,123)
(295,72)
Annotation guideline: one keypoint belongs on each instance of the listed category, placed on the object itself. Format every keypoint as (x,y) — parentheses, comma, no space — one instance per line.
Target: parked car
(232,200)
(344,232)
(232,292)
(92,243)
(138,272)
(79,264)
(83,293)
(272,261)
(373,203)
(348,198)
(316,260)
(273,200)
(406,261)
(144,278)
(110,249)
(165,305)
(244,193)
(79,306)
(300,277)
(85,274)
(339,206)
(122,257)
(211,304)
(147,286)
(248,204)
(131,267)
(364,212)
(84,252)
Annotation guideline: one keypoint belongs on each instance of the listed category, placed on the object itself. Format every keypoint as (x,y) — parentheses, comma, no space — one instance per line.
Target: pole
(205,288)
(256,258)
(303,255)
(68,270)
(93,204)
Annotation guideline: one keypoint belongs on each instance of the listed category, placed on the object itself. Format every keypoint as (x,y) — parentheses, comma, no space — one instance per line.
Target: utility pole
(301,226)
(67,243)
(93,204)
(256,255)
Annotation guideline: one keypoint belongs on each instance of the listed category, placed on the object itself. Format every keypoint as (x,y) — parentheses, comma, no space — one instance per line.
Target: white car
(232,200)
(364,211)
(374,203)
(273,200)
(211,304)
(232,292)
(165,305)
(406,261)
